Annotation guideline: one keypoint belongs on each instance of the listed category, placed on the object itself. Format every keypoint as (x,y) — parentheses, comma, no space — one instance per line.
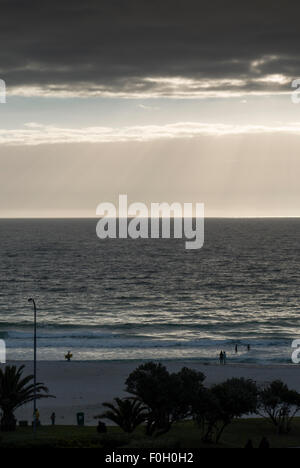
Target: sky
(165,101)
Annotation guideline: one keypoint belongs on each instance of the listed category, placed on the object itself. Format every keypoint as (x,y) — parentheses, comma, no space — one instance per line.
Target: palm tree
(15,391)
(128,413)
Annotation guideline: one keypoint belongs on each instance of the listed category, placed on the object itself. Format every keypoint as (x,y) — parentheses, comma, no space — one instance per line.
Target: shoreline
(165,361)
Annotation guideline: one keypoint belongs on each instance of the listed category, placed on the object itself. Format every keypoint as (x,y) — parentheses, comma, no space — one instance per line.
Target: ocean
(151,298)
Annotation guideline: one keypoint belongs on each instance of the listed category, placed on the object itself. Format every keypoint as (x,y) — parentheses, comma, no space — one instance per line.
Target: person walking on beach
(248,347)
(52,417)
(221,357)
(236,349)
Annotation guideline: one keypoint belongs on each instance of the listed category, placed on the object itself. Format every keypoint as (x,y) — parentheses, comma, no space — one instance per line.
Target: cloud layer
(37,134)
(143,48)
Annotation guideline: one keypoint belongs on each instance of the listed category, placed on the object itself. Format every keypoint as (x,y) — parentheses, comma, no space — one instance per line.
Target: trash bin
(80,419)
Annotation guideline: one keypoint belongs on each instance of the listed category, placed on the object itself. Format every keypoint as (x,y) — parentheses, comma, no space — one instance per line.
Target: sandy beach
(84,386)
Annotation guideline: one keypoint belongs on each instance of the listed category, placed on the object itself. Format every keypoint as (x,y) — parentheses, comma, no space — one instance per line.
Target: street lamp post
(34,365)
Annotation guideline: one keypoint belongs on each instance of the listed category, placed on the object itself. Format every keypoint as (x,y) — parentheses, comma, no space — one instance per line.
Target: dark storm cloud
(113,45)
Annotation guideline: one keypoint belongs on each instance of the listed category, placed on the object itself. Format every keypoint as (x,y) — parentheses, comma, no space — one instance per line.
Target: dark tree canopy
(219,405)
(280,404)
(169,397)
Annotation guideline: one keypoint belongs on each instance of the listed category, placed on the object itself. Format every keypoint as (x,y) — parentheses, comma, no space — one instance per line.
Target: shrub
(126,413)
(279,404)
(217,407)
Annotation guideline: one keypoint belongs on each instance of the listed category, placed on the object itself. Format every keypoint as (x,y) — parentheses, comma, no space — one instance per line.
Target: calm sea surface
(142,299)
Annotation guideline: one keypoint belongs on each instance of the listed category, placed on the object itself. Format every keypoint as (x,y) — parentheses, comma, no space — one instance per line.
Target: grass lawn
(182,435)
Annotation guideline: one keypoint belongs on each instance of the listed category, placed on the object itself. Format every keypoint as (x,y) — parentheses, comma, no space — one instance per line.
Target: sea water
(151,298)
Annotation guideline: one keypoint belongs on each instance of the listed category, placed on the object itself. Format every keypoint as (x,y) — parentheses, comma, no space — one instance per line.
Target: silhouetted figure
(248,347)
(36,418)
(264,443)
(236,348)
(68,356)
(101,428)
(52,417)
(221,357)
(249,444)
